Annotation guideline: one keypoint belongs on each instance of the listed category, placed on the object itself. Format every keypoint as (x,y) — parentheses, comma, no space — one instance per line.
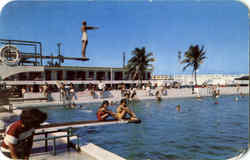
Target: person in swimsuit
(178,108)
(62,91)
(18,139)
(122,110)
(103,112)
(84,29)
(46,89)
(158,96)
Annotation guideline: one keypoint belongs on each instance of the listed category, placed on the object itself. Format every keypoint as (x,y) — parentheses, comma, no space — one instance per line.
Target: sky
(163,27)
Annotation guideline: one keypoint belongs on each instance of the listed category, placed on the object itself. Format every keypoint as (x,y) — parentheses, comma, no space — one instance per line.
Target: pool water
(201,130)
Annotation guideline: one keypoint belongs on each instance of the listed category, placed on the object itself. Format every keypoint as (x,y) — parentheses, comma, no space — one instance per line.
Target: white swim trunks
(84,36)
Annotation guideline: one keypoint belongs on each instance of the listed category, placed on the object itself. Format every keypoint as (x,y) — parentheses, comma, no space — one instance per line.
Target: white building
(188,79)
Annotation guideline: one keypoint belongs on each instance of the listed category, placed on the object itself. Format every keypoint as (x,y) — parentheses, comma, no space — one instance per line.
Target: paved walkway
(115,96)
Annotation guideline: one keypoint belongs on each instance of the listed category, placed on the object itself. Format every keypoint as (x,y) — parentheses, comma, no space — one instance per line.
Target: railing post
(10,106)
(54,146)
(46,142)
(68,138)
(78,144)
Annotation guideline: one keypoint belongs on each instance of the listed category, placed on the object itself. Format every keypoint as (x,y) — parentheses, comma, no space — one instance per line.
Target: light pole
(111,77)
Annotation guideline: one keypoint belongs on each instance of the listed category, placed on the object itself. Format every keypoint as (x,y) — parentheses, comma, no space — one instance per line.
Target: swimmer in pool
(178,108)
(158,96)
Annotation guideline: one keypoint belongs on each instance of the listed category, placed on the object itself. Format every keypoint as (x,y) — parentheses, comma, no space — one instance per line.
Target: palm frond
(187,65)
(139,62)
(194,56)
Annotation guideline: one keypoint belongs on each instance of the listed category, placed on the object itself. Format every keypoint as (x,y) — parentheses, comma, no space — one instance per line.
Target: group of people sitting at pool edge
(122,111)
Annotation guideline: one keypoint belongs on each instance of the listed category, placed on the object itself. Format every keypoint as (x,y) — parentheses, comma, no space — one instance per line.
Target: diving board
(86,123)
(78,124)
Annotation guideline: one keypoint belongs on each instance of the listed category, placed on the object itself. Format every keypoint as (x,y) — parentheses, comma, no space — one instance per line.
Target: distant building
(188,79)
(47,73)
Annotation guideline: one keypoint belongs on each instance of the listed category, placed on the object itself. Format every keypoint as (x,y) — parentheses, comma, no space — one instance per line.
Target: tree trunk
(195,78)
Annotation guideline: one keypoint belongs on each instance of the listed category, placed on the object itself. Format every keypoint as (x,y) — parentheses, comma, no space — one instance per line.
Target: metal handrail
(34,44)
(46,139)
(68,135)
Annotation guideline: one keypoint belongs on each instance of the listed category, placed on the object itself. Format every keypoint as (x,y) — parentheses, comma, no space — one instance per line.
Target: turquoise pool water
(202,130)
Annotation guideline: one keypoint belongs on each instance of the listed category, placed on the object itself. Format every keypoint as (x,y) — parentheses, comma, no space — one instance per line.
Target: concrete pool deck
(84,98)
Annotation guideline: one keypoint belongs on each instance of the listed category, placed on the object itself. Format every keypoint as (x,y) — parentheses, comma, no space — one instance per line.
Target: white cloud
(247,4)
(3,3)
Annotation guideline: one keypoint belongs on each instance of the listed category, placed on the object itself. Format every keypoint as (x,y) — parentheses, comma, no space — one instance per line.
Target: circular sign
(9,55)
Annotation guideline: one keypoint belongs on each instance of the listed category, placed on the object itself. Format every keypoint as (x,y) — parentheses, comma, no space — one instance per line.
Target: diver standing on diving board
(84,29)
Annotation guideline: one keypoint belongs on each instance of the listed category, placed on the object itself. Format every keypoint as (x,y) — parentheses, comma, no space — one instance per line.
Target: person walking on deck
(101,89)
(84,29)
(72,92)
(62,91)
(46,90)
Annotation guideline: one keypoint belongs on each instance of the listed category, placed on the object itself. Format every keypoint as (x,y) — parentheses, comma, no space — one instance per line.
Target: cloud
(247,4)
(3,3)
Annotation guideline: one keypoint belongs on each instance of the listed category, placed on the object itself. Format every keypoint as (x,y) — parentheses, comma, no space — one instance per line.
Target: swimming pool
(202,130)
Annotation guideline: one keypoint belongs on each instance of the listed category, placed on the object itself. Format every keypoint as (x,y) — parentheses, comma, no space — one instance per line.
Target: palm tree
(194,57)
(139,63)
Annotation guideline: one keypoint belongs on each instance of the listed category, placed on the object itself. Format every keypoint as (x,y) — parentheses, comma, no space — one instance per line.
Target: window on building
(100,75)
(91,75)
(118,75)
(109,75)
(81,75)
(59,75)
(70,75)
(48,75)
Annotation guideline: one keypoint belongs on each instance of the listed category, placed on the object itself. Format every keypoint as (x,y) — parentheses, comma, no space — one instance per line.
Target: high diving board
(30,55)
(55,57)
